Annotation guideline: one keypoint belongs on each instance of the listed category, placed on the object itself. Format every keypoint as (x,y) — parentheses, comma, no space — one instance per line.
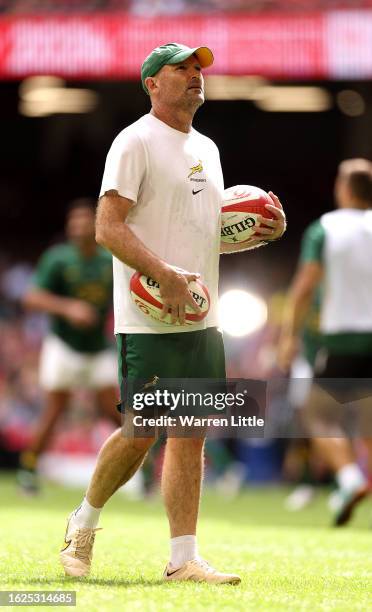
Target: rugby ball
(145,292)
(241,207)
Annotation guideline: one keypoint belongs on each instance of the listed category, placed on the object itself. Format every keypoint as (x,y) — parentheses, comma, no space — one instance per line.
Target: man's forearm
(295,312)
(300,297)
(41,299)
(126,246)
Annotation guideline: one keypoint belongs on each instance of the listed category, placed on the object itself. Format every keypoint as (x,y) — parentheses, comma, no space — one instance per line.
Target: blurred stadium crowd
(150,8)
(21,399)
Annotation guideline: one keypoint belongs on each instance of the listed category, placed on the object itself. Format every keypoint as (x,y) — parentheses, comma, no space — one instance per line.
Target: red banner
(323,45)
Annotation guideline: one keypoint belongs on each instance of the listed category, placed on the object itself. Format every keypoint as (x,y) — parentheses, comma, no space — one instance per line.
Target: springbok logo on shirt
(197,168)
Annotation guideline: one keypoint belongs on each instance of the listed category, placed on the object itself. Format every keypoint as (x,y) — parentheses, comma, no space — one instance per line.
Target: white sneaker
(300,497)
(345,503)
(199,570)
(231,481)
(76,556)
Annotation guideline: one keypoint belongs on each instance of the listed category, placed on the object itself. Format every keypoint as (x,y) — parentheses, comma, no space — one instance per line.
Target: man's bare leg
(336,452)
(368,444)
(56,403)
(323,415)
(352,486)
(181,486)
(119,458)
(181,483)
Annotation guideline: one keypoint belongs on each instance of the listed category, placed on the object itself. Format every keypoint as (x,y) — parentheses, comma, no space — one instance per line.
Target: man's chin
(197,98)
(193,102)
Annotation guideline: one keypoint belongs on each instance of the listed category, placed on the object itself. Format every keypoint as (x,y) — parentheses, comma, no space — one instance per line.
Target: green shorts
(183,355)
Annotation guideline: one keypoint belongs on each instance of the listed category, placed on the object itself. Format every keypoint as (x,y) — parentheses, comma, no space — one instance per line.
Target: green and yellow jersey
(64,271)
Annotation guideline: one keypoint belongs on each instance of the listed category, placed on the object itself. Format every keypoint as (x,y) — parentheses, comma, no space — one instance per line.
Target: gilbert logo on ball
(145,292)
(241,207)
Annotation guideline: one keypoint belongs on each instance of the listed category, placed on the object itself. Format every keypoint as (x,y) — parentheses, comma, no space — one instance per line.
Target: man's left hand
(279,224)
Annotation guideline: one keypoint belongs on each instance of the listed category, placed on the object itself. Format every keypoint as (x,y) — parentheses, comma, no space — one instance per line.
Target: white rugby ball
(242,205)
(145,292)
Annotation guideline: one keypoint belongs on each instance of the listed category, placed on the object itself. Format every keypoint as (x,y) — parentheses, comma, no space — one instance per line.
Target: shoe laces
(204,565)
(83,541)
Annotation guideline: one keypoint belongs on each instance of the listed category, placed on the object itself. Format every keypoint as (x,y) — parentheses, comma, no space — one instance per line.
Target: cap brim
(204,55)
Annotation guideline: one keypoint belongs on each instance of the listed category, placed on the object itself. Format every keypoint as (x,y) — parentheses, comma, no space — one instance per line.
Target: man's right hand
(175,293)
(80,314)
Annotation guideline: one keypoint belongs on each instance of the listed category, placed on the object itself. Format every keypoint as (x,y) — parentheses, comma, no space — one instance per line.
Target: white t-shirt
(175,181)
(347,304)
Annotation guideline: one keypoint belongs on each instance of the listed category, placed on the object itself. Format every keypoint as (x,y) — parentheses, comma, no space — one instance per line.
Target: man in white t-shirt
(159,213)
(337,252)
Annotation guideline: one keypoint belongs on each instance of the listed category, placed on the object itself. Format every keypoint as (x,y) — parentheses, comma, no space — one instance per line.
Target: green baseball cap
(172,53)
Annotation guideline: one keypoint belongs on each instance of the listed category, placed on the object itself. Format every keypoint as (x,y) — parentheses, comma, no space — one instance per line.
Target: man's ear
(151,84)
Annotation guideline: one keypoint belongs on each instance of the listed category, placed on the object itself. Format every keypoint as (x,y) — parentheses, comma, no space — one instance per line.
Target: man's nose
(196,73)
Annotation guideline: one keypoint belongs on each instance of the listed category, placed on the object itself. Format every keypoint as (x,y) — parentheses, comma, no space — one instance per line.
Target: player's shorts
(183,355)
(330,365)
(63,368)
(341,395)
(344,373)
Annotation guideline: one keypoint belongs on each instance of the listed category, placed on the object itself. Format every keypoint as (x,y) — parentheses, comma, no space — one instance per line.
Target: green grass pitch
(288,561)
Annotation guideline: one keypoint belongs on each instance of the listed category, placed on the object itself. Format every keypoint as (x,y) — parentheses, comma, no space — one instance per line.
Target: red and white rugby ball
(241,207)
(145,292)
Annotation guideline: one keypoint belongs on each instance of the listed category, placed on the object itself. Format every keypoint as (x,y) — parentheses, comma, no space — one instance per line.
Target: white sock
(86,515)
(183,548)
(350,477)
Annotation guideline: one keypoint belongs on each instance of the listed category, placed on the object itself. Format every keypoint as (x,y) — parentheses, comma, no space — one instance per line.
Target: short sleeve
(125,166)
(313,243)
(47,273)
